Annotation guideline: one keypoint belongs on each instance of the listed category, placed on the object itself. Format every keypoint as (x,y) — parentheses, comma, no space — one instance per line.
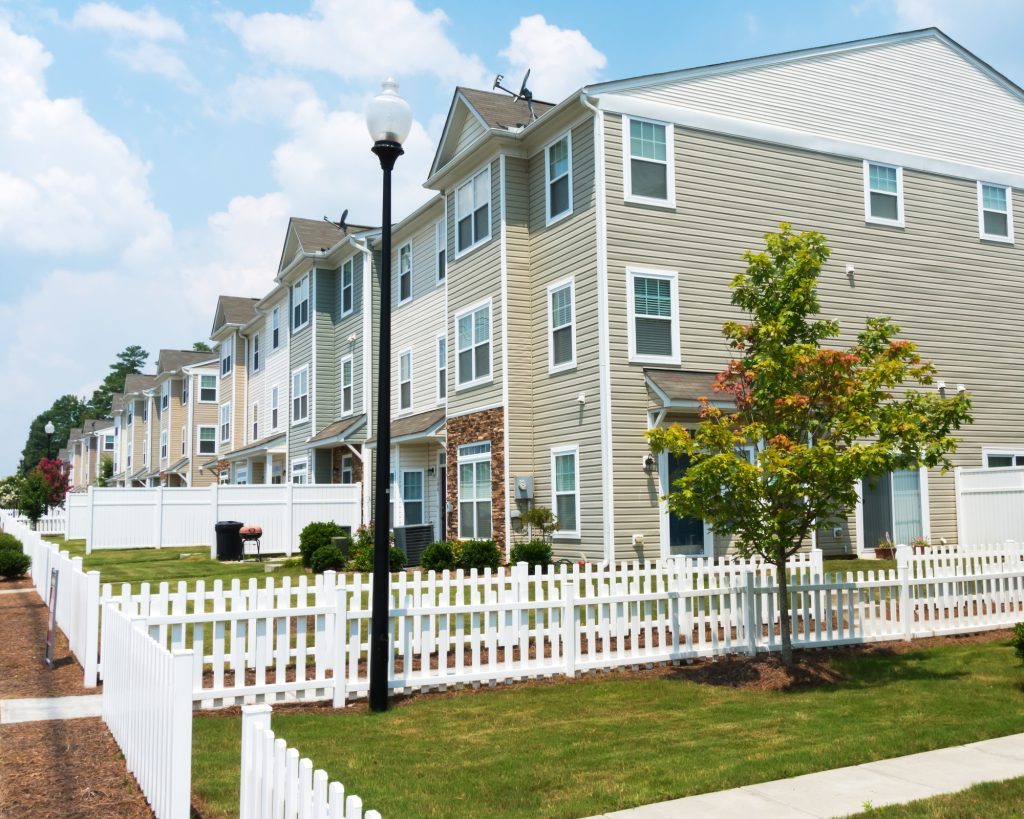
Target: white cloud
(152,58)
(358,40)
(144,24)
(268,98)
(561,60)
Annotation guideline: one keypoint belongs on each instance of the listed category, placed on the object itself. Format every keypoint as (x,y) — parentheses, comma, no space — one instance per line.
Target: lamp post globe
(49,429)
(389,120)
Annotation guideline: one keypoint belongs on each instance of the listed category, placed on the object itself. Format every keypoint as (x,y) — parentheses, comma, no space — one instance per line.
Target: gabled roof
(116,403)
(312,235)
(170,361)
(97,425)
(412,427)
(501,110)
(684,388)
(339,431)
(137,382)
(233,310)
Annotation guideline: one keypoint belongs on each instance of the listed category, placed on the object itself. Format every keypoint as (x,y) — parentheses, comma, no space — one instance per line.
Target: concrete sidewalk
(46,708)
(843,791)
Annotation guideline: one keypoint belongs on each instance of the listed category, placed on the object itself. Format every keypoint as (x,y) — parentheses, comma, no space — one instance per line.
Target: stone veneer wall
(357,465)
(470,429)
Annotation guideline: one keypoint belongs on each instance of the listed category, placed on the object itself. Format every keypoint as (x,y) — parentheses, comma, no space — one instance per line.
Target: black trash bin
(229,541)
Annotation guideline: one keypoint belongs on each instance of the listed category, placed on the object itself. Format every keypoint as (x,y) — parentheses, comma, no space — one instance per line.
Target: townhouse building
(185,407)
(89,445)
(134,453)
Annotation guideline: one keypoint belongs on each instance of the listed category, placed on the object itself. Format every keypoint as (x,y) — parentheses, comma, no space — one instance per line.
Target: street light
(389,119)
(49,429)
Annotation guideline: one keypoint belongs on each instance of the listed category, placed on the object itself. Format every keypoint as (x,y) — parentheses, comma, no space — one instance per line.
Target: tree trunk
(785,615)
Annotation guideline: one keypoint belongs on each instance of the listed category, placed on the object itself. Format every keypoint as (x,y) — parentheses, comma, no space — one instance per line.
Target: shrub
(12,563)
(479,554)
(439,556)
(9,541)
(534,552)
(327,557)
(362,558)
(34,495)
(317,535)
(1018,640)
(540,520)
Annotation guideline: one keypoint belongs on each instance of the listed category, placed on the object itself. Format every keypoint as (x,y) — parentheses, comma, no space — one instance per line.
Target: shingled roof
(501,110)
(137,382)
(170,361)
(237,309)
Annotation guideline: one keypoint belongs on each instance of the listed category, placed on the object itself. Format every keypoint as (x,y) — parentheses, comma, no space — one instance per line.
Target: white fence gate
(151,517)
(990,505)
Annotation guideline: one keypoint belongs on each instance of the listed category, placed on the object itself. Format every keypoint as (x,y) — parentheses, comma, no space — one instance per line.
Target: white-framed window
(300,471)
(186,388)
(163,444)
(647,164)
(165,395)
(883,194)
(207,440)
(995,212)
(473,345)
(208,389)
(565,490)
(442,367)
(300,395)
(404,273)
(225,422)
(1002,458)
(412,496)
(346,469)
(346,385)
(347,288)
(300,304)
(225,356)
(255,352)
(145,410)
(440,252)
(405,380)
(558,178)
(561,326)
(184,449)
(242,475)
(475,491)
(108,443)
(473,211)
(273,407)
(255,422)
(128,462)
(131,413)
(275,328)
(653,316)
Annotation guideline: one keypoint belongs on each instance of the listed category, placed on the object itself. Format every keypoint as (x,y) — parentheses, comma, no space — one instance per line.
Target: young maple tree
(818,419)
(55,471)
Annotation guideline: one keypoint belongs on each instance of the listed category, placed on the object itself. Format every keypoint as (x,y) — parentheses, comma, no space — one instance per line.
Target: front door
(685,534)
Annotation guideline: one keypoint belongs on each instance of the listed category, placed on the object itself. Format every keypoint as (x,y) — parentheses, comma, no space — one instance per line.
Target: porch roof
(416,427)
(140,475)
(262,445)
(339,431)
(684,388)
(177,467)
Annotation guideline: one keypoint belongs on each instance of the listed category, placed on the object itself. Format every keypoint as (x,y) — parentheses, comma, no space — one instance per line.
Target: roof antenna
(524,92)
(340,224)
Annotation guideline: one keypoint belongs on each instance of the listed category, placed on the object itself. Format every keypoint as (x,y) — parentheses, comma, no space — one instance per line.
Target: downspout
(367,352)
(604,348)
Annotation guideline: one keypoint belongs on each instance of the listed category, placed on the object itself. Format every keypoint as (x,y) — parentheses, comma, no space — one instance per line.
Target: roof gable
(238,310)
(312,235)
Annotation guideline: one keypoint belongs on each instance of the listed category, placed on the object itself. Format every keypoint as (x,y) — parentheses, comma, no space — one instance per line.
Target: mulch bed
(15,583)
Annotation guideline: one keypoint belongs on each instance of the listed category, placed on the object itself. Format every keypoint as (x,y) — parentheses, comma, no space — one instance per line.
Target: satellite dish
(524,93)
(340,224)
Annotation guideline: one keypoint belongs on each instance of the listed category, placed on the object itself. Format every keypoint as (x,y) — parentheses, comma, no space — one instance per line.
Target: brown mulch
(15,583)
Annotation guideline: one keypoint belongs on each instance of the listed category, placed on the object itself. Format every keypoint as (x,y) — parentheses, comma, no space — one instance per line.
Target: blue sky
(151,153)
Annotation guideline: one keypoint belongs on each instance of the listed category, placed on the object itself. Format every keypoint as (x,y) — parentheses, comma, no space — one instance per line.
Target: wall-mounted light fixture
(582,398)
(648,463)
(961,388)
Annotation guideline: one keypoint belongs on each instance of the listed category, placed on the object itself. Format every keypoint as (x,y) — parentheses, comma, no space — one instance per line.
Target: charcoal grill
(252,534)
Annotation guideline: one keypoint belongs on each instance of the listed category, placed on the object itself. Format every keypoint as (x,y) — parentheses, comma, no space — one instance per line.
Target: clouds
(561,60)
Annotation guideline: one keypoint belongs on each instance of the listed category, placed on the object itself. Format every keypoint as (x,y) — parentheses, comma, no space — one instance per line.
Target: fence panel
(77,509)
(990,505)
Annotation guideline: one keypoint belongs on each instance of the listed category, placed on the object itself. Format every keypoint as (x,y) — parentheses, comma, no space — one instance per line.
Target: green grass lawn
(596,745)
(857,565)
(993,800)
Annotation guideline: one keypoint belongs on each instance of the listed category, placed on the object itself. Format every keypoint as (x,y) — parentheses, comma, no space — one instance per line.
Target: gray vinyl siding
(472,278)
(300,352)
(351,325)
(324,385)
(957,297)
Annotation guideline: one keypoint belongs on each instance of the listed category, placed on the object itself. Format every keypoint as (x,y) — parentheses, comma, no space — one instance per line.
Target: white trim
(275,406)
(555,452)
(477,240)
(441,399)
(254,422)
(254,353)
(216,390)
(1013,451)
(351,264)
(670,161)
(304,463)
(926,505)
(672,277)
(275,316)
(398,278)
(562,284)
(475,458)
(994,237)
(474,410)
(664,516)
(548,218)
(507,510)
(899,221)
(858,517)
(292,396)
(402,410)
(307,280)
(314,346)
(489,378)
(347,359)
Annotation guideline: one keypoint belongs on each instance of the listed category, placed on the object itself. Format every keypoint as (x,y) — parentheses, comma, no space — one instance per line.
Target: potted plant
(920,545)
(886,549)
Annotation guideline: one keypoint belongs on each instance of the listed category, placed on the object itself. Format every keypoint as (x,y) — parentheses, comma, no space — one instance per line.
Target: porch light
(649,463)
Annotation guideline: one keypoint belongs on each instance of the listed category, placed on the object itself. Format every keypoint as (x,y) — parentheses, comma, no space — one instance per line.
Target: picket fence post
(339,639)
(569,628)
(749,612)
(254,717)
(180,761)
(214,488)
(903,573)
(959,503)
(92,520)
(92,628)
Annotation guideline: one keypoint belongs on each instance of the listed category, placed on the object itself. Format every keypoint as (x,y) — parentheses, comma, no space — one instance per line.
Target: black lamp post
(49,429)
(389,120)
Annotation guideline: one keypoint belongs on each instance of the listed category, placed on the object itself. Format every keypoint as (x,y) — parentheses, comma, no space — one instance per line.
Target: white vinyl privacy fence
(125,518)
(990,505)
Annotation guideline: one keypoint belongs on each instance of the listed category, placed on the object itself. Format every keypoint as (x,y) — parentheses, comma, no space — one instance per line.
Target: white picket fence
(147,705)
(151,517)
(51,524)
(989,505)
(275,782)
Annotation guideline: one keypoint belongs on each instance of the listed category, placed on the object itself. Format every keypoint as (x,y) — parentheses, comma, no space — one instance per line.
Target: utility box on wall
(524,488)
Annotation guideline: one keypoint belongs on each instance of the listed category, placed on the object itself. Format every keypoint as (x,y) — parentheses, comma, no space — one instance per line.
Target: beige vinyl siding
(471,131)
(959,298)
(473,277)
(203,415)
(300,351)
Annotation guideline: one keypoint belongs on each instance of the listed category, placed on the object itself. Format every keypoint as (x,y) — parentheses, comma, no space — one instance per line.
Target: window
(131,414)
(347,302)
(255,422)
(128,462)
(273,407)
(108,443)
(649,176)
(256,352)
(165,395)
(300,395)
(186,383)
(405,380)
(475,490)
(473,211)
(473,330)
(558,167)
(412,496)
(995,212)
(440,251)
(300,304)
(241,475)
(145,410)
(163,444)
(442,368)
(1003,458)
(346,385)
(208,389)
(275,328)
(346,469)
(653,320)
(300,472)
(225,356)
(883,194)
(404,273)
(207,440)
(225,422)
(565,489)
(561,327)
(183,449)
